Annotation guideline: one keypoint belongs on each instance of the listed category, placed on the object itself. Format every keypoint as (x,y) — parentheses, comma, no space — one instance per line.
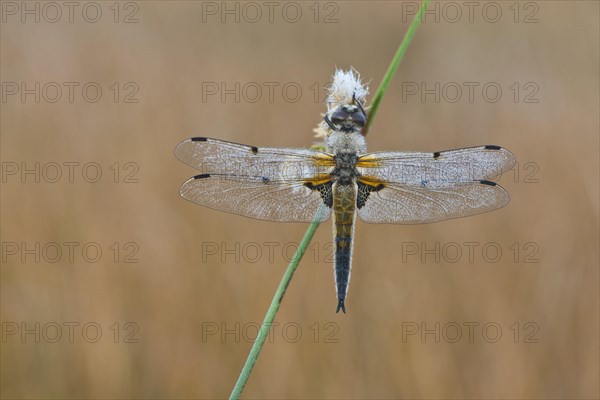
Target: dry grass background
(171,294)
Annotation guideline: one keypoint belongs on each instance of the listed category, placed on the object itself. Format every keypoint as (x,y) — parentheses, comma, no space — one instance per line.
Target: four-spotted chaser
(302,185)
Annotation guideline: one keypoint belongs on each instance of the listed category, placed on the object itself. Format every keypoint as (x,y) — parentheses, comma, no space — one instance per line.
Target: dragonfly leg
(330,123)
(359,105)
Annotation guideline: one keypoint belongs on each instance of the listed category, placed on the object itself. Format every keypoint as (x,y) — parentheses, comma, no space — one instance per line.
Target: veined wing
(392,203)
(274,184)
(412,188)
(213,156)
(460,165)
(261,198)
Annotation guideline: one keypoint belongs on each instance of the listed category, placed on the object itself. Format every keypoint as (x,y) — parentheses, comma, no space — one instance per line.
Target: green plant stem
(274,307)
(291,268)
(391,71)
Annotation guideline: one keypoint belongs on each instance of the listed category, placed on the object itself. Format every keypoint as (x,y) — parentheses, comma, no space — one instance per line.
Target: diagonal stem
(275,303)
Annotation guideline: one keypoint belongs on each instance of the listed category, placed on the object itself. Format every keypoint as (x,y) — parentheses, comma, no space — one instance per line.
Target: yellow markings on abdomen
(344,206)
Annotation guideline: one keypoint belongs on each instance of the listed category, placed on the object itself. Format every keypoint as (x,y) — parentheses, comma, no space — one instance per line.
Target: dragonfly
(343,180)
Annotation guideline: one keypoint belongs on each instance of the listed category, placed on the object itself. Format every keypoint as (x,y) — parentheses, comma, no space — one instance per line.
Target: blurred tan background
(192,304)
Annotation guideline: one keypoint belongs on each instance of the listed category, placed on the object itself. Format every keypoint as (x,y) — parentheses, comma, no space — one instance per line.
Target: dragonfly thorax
(353,142)
(345,172)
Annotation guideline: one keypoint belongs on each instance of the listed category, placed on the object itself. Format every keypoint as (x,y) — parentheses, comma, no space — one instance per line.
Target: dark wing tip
(202,176)
(341,306)
(489,183)
(198,139)
(492,147)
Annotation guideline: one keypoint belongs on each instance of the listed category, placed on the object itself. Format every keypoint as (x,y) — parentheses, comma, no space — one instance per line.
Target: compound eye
(339,117)
(359,119)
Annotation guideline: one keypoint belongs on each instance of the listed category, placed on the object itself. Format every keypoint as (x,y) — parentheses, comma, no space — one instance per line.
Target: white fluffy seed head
(345,84)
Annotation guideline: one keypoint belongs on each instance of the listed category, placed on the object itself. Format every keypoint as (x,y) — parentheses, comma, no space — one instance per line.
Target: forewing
(450,166)
(212,156)
(393,203)
(258,197)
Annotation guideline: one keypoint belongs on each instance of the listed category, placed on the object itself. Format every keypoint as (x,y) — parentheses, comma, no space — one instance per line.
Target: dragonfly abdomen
(344,207)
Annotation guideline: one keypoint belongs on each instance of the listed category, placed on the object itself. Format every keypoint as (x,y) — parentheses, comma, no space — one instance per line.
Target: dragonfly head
(349,117)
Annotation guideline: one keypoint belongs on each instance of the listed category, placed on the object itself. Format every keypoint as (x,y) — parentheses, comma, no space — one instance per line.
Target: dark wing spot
(254,149)
(202,176)
(436,154)
(362,196)
(489,183)
(198,139)
(324,190)
(364,191)
(492,147)
(265,179)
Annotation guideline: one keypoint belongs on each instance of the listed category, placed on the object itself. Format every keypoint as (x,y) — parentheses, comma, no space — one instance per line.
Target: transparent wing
(450,166)
(275,184)
(257,197)
(214,156)
(407,204)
